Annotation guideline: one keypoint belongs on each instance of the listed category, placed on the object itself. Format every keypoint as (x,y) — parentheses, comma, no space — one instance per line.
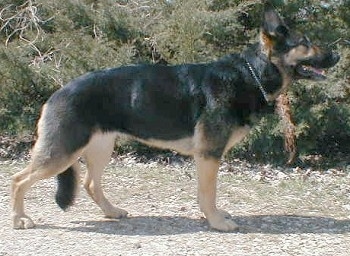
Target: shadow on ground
(166,225)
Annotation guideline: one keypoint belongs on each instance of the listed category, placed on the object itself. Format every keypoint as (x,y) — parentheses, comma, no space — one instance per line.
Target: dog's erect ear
(273,25)
(274,32)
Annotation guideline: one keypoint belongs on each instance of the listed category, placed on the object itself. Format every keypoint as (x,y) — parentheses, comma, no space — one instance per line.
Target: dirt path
(295,213)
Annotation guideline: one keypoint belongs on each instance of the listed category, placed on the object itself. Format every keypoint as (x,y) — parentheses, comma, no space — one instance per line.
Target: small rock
(137,245)
(346,207)
(281,176)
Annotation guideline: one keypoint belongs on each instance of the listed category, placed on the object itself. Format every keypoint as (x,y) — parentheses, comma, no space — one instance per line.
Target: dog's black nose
(329,59)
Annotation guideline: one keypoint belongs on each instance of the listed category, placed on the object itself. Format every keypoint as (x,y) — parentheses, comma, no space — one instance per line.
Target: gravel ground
(281,212)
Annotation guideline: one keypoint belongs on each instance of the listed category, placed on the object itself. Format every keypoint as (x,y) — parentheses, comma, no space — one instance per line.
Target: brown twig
(289,130)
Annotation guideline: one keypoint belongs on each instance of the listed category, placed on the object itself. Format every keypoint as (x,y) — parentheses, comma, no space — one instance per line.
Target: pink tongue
(318,71)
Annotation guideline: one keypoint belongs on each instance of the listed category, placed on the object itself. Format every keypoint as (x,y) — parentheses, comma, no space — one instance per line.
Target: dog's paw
(221,220)
(22,222)
(116,213)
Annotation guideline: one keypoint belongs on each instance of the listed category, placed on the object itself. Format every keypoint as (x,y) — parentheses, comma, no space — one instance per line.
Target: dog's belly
(191,145)
(184,146)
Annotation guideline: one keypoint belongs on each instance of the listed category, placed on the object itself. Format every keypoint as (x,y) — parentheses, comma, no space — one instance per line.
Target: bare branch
(18,20)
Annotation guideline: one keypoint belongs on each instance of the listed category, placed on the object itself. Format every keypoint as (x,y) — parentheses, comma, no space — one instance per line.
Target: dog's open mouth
(310,72)
(315,68)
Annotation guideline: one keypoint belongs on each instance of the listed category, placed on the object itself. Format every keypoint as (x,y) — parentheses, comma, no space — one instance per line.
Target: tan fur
(184,146)
(200,140)
(298,53)
(287,81)
(97,155)
(189,146)
(39,168)
(237,136)
(267,44)
(44,164)
(207,170)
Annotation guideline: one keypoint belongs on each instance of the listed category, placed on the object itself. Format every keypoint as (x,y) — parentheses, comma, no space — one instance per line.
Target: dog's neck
(266,75)
(258,82)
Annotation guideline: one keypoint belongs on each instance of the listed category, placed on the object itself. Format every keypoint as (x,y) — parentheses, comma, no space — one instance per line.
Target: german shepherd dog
(201,110)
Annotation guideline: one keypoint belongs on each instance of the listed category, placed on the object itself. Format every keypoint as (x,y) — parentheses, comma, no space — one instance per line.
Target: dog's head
(293,54)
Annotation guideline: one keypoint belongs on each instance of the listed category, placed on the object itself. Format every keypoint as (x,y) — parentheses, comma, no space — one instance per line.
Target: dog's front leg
(207,170)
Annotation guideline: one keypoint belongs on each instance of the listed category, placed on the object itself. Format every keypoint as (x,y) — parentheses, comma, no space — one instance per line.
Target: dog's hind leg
(97,155)
(207,169)
(39,168)
(21,182)
(58,147)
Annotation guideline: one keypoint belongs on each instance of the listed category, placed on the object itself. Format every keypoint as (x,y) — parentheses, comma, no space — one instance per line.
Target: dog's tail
(67,183)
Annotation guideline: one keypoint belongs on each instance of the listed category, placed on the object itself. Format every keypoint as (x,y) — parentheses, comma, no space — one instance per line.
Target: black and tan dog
(200,110)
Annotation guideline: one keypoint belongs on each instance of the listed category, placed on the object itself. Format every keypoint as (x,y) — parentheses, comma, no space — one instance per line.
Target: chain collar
(258,83)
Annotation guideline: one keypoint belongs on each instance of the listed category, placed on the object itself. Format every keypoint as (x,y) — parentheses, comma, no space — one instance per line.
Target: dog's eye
(282,31)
